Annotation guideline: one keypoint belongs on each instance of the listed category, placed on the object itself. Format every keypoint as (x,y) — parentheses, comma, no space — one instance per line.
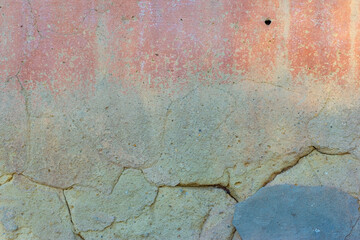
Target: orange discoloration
(163,44)
(12,38)
(61,63)
(69,17)
(119,46)
(356,46)
(319,42)
(255,44)
(181,40)
(51,43)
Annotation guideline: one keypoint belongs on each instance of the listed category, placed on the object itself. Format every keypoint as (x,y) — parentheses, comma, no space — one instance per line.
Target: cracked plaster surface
(317,169)
(178,213)
(101,97)
(32,211)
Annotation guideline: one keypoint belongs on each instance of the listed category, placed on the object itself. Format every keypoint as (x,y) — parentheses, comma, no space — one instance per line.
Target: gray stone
(287,212)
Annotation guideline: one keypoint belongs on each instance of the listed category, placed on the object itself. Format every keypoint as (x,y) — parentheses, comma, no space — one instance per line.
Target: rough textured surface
(316,169)
(99,97)
(294,212)
(31,211)
(178,213)
(94,211)
(236,236)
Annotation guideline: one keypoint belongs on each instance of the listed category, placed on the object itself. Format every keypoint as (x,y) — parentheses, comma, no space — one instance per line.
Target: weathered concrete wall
(147,119)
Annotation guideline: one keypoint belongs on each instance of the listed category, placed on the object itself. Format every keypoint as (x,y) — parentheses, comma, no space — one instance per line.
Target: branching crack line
(194,185)
(286,168)
(319,112)
(70,216)
(146,209)
(204,221)
(43,184)
(155,198)
(272,84)
(169,110)
(312,168)
(8,180)
(105,228)
(116,182)
(331,154)
(79,235)
(26,96)
(34,19)
(352,228)
(232,234)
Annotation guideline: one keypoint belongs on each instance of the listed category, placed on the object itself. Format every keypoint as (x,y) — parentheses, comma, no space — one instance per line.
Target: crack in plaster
(7,180)
(195,185)
(204,221)
(354,6)
(168,112)
(69,212)
(286,168)
(151,206)
(44,184)
(34,19)
(224,188)
(319,112)
(352,228)
(108,226)
(333,154)
(26,96)
(312,168)
(272,84)
(70,217)
(80,236)
(147,208)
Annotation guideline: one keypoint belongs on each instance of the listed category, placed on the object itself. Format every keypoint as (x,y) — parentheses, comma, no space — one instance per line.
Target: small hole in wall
(267,22)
